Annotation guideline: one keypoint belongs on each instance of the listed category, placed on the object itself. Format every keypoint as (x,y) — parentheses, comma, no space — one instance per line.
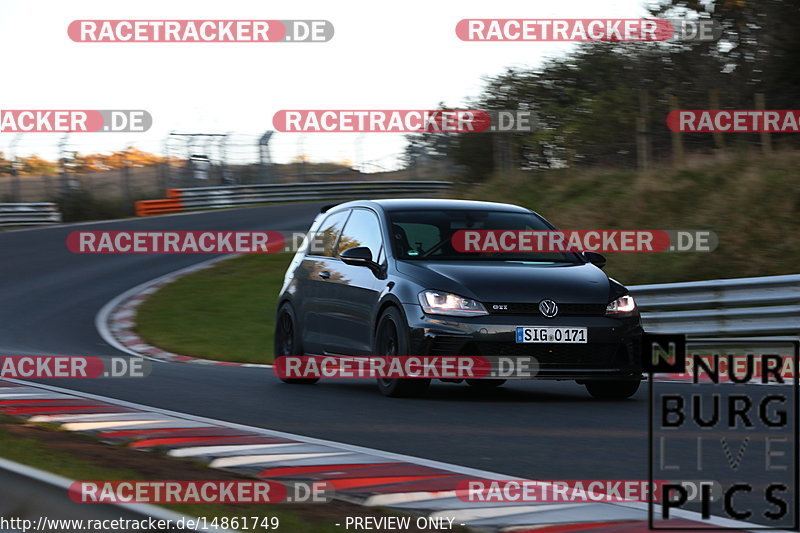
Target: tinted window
(324,242)
(363,229)
(424,235)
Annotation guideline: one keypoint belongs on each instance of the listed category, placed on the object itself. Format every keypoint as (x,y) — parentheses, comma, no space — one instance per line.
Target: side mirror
(358,256)
(362,256)
(598,260)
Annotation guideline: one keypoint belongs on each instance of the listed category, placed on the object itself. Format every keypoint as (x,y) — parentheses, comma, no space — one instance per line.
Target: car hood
(506,281)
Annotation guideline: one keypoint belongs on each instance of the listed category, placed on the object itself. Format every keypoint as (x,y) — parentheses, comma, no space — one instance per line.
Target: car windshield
(422,235)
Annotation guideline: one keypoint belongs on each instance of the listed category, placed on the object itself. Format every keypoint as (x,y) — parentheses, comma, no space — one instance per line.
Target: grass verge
(226,312)
(749,200)
(84,458)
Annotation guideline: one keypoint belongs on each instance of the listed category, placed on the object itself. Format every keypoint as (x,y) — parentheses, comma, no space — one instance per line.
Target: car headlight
(624,305)
(445,303)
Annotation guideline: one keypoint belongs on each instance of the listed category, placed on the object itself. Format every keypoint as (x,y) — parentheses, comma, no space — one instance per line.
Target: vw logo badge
(548,308)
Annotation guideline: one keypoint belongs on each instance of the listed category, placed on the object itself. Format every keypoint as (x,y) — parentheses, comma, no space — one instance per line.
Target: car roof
(410,204)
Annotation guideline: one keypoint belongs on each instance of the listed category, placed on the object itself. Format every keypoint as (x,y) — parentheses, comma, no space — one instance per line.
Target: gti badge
(548,308)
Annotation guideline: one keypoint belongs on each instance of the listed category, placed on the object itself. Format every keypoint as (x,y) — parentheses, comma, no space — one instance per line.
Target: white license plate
(528,334)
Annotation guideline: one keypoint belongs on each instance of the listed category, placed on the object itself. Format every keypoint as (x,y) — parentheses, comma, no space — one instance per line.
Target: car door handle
(325,274)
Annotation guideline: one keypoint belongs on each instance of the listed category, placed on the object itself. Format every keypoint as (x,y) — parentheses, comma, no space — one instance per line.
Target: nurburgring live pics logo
(740,414)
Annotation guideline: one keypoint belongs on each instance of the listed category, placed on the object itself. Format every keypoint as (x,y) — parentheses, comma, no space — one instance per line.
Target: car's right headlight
(445,303)
(622,306)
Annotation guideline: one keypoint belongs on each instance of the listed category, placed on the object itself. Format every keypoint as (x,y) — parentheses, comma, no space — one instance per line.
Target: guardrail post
(127,203)
(62,162)
(16,192)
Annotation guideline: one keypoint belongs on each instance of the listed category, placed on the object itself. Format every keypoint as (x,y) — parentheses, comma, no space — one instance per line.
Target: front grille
(533,309)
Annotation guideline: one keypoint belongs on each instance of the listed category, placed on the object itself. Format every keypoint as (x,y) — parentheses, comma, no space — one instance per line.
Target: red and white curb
(360,475)
(117,319)
(63,485)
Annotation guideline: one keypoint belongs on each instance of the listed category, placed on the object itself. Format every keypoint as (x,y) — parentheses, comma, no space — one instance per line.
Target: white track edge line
(61,482)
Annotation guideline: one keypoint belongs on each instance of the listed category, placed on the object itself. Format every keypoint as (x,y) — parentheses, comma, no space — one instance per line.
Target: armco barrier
(157,207)
(19,214)
(744,306)
(243,195)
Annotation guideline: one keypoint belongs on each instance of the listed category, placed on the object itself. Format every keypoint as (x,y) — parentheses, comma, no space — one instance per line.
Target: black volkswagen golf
(382,277)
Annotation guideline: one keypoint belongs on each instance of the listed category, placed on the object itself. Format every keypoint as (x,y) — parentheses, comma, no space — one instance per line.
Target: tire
(485,384)
(287,340)
(391,338)
(613,390)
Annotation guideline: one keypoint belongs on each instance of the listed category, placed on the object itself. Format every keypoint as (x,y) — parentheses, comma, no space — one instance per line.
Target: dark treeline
(593,104)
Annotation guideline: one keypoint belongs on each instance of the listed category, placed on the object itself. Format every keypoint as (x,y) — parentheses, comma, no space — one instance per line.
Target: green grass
(226,312)
(32,452)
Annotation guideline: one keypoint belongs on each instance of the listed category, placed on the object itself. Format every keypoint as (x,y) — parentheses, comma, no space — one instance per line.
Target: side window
(324,242)
(362,229)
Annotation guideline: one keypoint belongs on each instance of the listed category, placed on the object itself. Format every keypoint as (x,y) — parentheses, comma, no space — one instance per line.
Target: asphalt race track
(539,430)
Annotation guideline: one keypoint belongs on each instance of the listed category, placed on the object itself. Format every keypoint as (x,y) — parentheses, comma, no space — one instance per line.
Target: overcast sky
(401,55)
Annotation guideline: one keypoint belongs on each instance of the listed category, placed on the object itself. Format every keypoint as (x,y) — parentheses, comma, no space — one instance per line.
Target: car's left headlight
(622,306)
(445,303)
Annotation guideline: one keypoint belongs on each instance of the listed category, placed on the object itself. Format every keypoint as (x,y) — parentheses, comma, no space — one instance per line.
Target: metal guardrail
(744,306)
(19,214)
(243,195)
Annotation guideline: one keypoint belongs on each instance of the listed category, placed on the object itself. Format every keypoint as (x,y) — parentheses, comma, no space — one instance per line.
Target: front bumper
(613,350)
